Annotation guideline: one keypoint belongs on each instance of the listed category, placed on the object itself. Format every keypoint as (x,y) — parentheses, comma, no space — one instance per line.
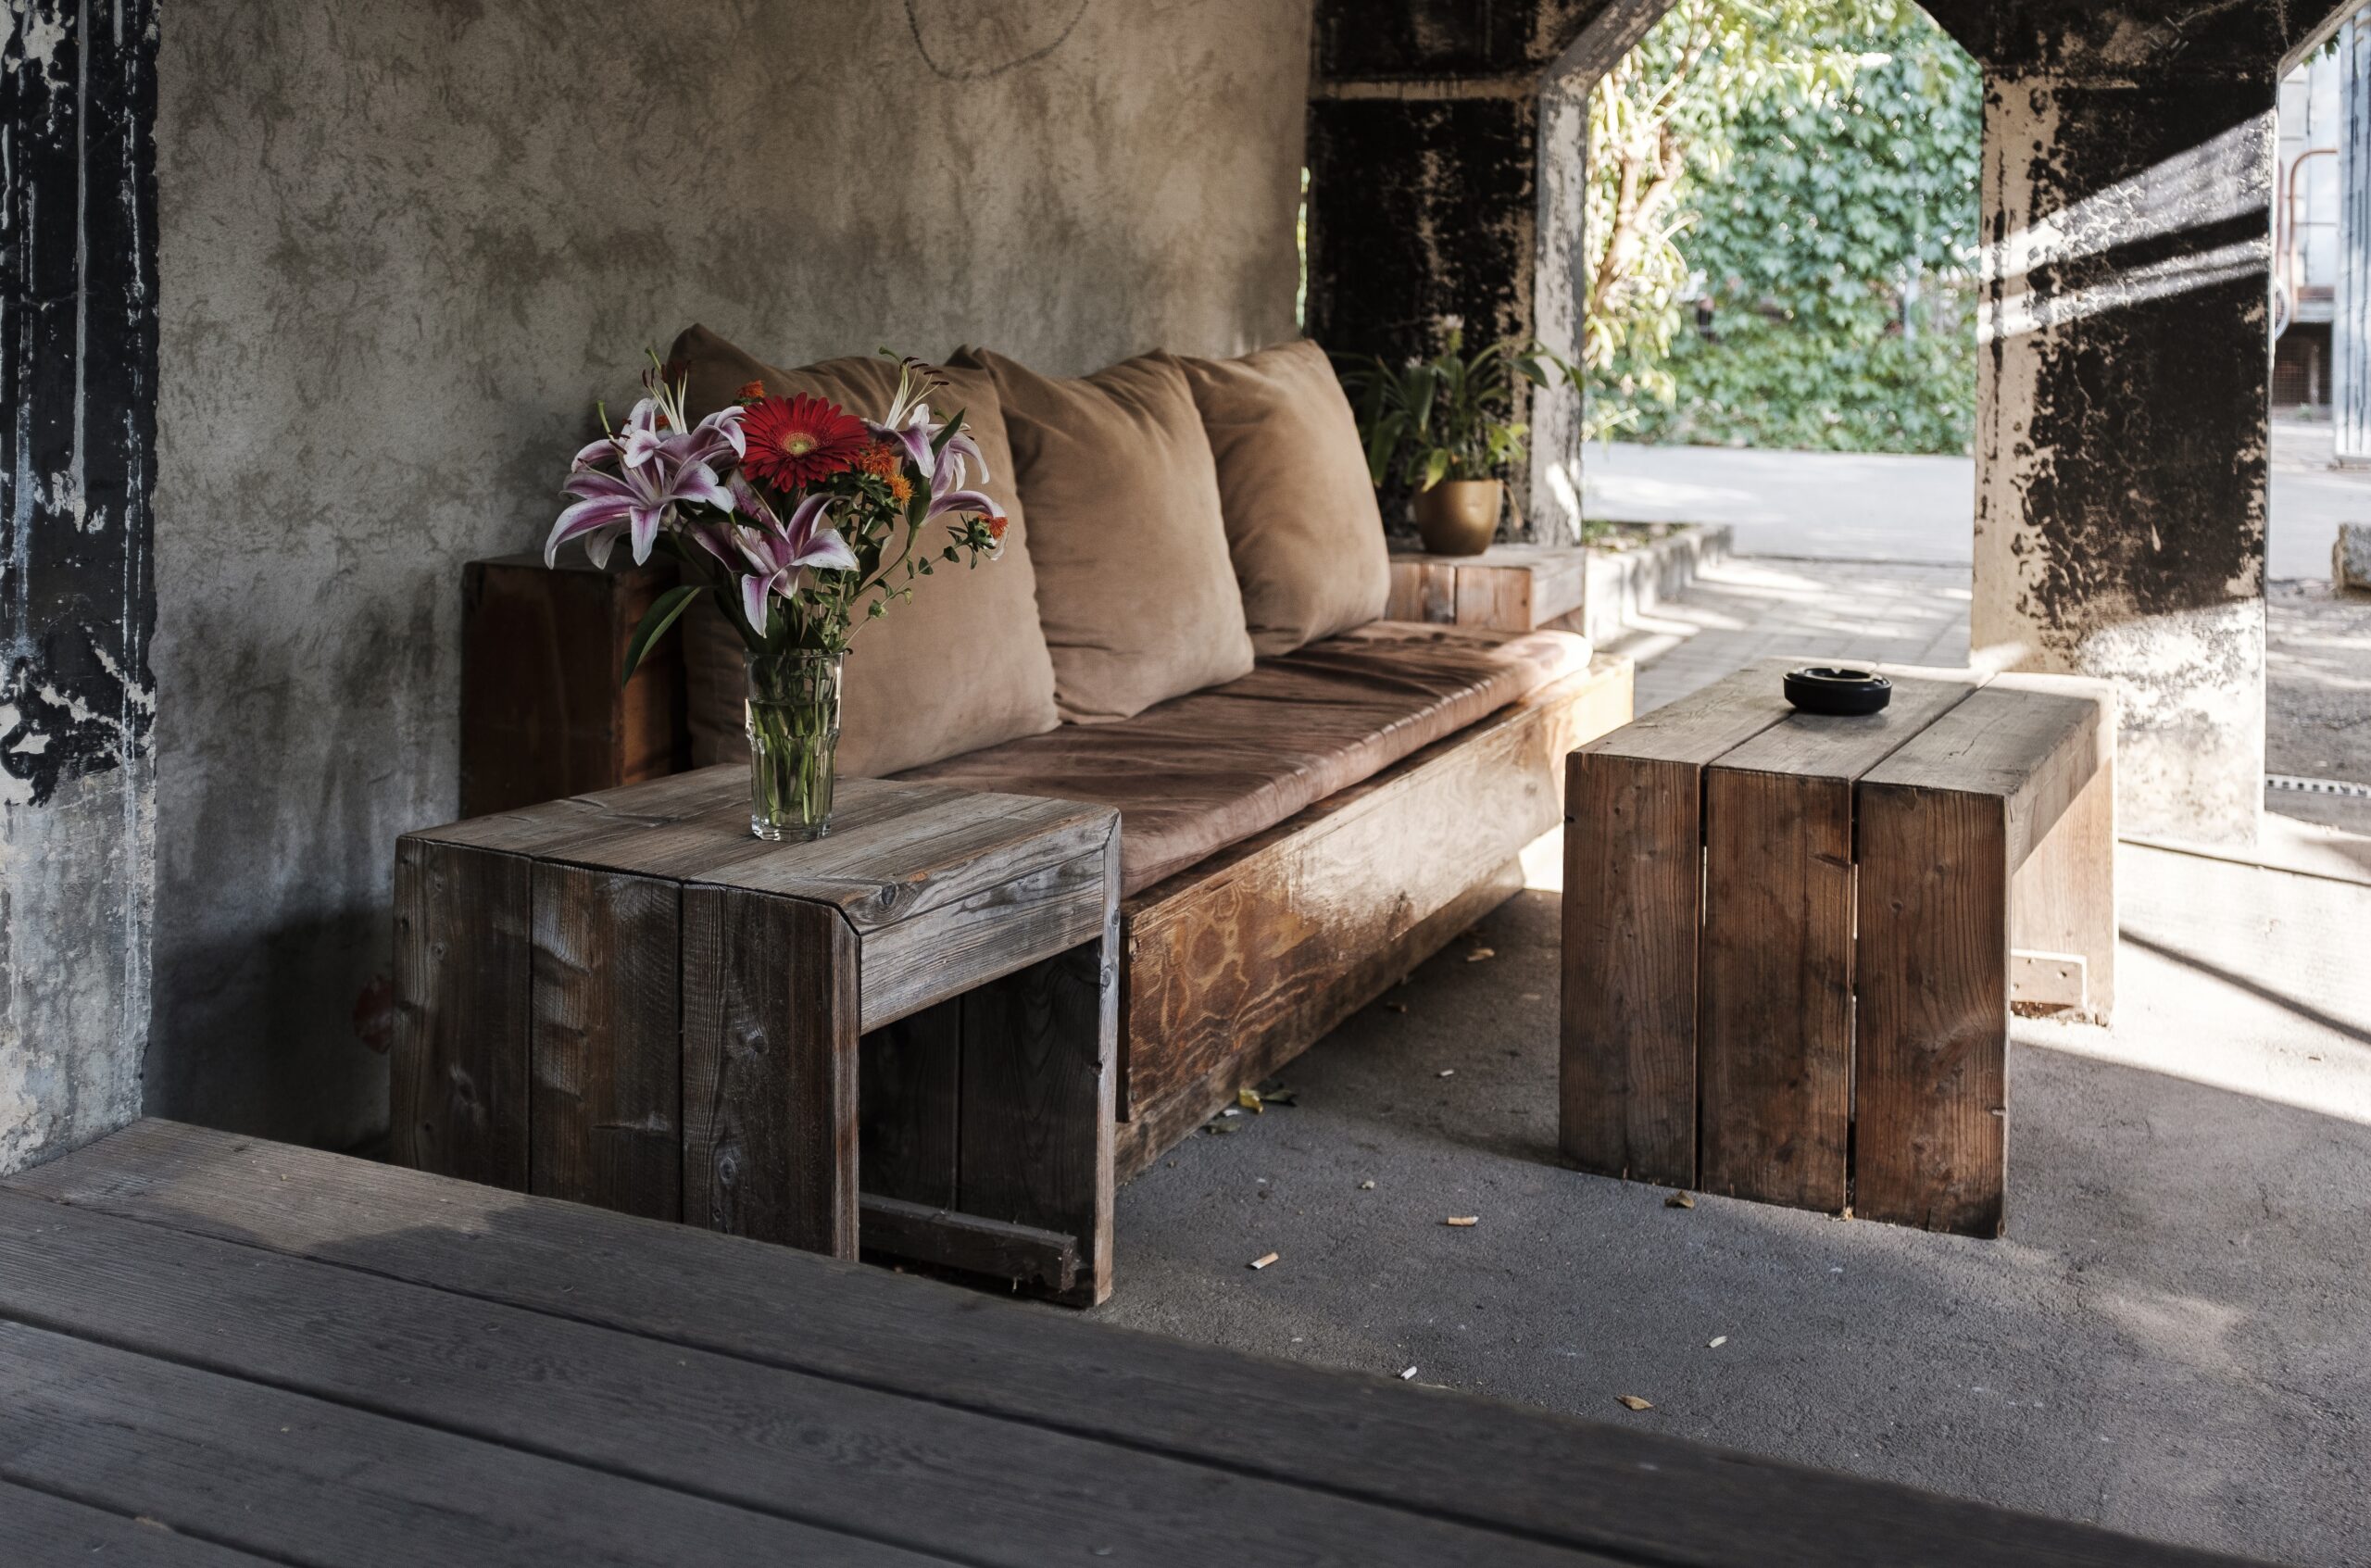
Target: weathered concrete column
(78,603)
(1445,146)
(2124,363)
(2351,329)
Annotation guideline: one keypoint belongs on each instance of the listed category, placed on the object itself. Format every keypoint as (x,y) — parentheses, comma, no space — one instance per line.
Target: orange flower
(998,524)
(750,391)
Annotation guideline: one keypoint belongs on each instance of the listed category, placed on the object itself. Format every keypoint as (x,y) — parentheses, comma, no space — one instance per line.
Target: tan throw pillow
(960,665)
(1301,519)
(1134,589)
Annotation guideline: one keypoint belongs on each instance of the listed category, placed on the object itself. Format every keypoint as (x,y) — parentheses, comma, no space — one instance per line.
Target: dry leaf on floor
(1717,1341)
(1407,1372)
(1395,1007)
(1218,1127)
(1366,1187)
(1680,1201)
(1249,1100)
(1480,953)
(1263,1260)
(1463,1221)
(1632,1402)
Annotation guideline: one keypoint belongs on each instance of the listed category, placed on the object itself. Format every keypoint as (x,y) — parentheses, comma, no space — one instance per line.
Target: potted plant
(1447,428)
(805,521)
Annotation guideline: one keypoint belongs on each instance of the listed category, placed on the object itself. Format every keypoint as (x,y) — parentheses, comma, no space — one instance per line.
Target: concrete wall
(404,248)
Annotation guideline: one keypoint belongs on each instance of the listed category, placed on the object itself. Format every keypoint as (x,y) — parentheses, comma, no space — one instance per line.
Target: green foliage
(1827,213)
(1451,416)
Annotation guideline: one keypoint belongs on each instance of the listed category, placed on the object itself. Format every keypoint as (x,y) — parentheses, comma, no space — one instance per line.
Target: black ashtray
(1847,693)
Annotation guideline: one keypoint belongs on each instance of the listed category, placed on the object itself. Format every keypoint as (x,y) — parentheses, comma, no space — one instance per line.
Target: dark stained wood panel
(458,1069)
(1036,1144)
(824,1453)
(1931,1063)
(37,1529)
(701,1326)
(770,1071)
(608,1046)
(909,1086)
(542,713)
(297,1479)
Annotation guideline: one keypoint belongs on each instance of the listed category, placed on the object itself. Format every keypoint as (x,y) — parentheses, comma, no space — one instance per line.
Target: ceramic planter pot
(1460,516)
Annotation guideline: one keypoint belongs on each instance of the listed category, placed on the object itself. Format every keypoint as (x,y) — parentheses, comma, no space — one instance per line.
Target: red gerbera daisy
(795,441)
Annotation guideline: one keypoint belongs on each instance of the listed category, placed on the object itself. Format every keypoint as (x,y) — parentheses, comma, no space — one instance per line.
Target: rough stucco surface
(405,247)
(2121,434)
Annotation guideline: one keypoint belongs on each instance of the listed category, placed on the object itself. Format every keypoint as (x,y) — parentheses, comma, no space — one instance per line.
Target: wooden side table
(625,999)
(1792,943)
(1506,588)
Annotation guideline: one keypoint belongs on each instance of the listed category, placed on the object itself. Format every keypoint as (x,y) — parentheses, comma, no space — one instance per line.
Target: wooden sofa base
(1238,965)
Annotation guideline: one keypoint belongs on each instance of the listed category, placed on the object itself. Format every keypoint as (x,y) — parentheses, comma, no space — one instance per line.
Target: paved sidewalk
(1849,506)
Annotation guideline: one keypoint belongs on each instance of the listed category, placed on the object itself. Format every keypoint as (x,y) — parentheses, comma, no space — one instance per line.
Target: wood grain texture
(1422,589)
(606,1041)
(458,1069)
(303,1480)
(1930,1068)
(1158,1124)
(1775,1003)
(37,1529)
(1496,599)
(1276,940)
(1036,1145)
(909,1088)
(770,1071)
(1623,1490)
(543,714)
(824,1453)
(943,1237)
(1632,908)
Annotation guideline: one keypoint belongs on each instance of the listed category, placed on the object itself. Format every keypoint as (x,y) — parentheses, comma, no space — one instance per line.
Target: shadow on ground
(2173,1340)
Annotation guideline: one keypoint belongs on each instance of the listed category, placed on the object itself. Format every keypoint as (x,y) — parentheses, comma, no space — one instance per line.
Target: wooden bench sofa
(1233,963)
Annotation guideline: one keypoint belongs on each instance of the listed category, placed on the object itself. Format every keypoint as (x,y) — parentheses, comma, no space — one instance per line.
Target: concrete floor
(2173,1339)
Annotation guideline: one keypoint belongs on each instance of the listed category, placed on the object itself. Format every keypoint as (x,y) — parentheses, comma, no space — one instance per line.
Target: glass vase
(793,725)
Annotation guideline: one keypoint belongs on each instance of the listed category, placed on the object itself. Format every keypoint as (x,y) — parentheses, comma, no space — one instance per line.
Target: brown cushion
(1134,590)
(960,665)
(1301,519)
(1195,774)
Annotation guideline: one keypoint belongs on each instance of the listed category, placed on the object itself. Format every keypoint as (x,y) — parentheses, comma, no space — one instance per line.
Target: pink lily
(779,553)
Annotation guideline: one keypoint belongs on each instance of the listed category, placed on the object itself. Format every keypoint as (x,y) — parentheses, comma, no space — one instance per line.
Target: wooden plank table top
(216,1351)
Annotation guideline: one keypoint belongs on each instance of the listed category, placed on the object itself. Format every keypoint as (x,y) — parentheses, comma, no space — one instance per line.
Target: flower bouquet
(806,521)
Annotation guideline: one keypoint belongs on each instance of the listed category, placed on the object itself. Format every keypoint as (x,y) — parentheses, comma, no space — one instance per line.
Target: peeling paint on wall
(78,345)
(2121,437)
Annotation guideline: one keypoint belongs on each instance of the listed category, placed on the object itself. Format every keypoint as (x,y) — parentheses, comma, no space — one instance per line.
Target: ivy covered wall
(1821,241)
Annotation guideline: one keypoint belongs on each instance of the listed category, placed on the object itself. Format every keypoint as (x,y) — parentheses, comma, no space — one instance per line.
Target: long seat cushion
(1197,773)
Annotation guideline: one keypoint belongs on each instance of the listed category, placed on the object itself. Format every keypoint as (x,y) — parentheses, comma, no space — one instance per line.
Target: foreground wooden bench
(216,1352)
(1792,943)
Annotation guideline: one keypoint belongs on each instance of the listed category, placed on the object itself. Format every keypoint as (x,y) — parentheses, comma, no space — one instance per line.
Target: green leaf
(662,613)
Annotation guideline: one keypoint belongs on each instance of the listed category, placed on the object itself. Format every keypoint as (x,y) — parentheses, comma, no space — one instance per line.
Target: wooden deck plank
(905,1470)
(38,1530)
(1619,1489)
(294,1478)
